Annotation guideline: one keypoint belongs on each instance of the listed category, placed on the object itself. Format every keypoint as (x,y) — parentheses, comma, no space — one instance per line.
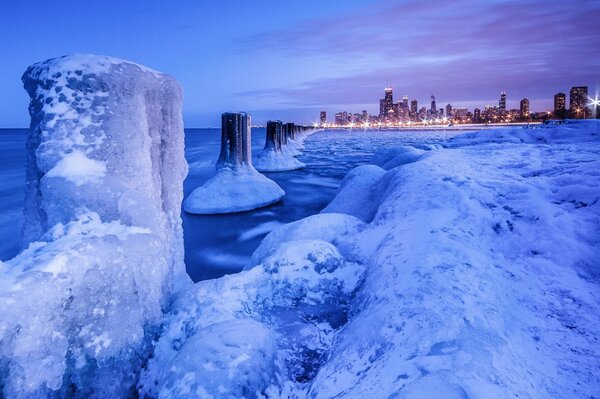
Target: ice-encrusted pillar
(274,132)
(236,186)
(290,131)
(105,174)
(235,140)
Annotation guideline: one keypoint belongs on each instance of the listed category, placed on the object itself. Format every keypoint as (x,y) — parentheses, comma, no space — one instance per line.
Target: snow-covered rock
(81,304)
(236,186)
(273,158)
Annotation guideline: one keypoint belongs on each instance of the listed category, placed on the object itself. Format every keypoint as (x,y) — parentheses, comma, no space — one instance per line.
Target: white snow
(475,276)
(104,243)
(233,190)
(77,168)
(275,161)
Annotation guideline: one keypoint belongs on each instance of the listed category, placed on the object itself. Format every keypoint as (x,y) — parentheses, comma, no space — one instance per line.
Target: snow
(473,273)
(103,238)
(275,161)
(233,190)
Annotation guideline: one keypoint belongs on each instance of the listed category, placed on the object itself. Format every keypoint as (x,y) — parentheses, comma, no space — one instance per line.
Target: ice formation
(103,235)
(472,274)
(273,158)
(236,186)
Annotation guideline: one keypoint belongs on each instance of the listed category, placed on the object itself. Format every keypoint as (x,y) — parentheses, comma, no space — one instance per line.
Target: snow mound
(103,232)
(481,277)
(571,131)
(390,158)
(359,193)
(233,190)
(232,359)
(289,305)
(273,161)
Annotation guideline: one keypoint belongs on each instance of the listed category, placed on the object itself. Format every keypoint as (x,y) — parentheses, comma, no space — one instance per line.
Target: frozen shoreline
(475,275)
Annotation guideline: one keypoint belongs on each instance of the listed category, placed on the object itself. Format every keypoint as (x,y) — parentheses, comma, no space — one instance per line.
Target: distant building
(405,102)
(578,101)
(449,111)
(560,102)
(524,108)
(323,117)
(477,115)
(433,106)
(441,112)
(339,119)
(461,113)
(502,102)
(386,104)
(414,110)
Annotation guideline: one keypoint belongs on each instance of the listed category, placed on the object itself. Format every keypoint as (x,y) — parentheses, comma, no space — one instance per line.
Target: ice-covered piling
(278,153)
(236,186)
(274,134)
(102,224)
(236,146)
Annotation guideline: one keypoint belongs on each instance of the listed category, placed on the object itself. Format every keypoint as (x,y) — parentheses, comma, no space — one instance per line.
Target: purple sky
(291,59)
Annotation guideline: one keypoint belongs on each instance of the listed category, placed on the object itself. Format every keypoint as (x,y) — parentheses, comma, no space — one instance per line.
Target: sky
(290,59)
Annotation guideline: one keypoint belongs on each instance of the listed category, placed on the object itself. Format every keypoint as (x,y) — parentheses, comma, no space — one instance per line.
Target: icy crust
(233,190)
(274,161)
(263,331)
(103,235)
(481,276)
(476,277)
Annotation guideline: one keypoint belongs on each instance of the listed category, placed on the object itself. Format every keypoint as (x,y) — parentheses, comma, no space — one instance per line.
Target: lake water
(223,244)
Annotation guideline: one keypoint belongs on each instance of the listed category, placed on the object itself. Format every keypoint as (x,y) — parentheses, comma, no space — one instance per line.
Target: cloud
(459,50)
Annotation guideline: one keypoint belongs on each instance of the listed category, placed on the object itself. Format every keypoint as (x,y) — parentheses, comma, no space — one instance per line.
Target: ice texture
(236,186)
(102,231)
(273,158)
(472,274)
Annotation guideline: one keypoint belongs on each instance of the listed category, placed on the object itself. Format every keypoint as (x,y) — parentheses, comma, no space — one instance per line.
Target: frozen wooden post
(236,139)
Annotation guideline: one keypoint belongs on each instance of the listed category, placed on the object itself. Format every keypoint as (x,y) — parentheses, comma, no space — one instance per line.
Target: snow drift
(103,236)
(473,274)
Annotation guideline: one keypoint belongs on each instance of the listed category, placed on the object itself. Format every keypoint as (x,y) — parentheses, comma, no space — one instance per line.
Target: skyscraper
(405,102)
(560,105)
(433,107)
(502,102)
(524,108)
(578,101)
(449,111)
(323,117)
(414,106)
(386,105)
(477,115)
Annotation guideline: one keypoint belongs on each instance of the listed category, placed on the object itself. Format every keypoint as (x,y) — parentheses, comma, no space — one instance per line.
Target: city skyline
(581,105)
(289,60)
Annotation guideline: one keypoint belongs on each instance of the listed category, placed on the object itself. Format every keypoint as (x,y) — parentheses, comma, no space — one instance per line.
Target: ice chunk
(103,232)
(236,185)
(390,158)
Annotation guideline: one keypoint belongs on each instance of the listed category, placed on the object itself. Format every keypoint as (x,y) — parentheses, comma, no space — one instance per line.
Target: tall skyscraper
(414,106)
(386,104)
(502,102)
(323,117)
(433,107)
(405,102)
(449,111)
(578,101)
(339,119)
(524,108)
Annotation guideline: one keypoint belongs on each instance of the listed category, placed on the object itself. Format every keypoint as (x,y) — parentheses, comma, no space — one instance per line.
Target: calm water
(217,245)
